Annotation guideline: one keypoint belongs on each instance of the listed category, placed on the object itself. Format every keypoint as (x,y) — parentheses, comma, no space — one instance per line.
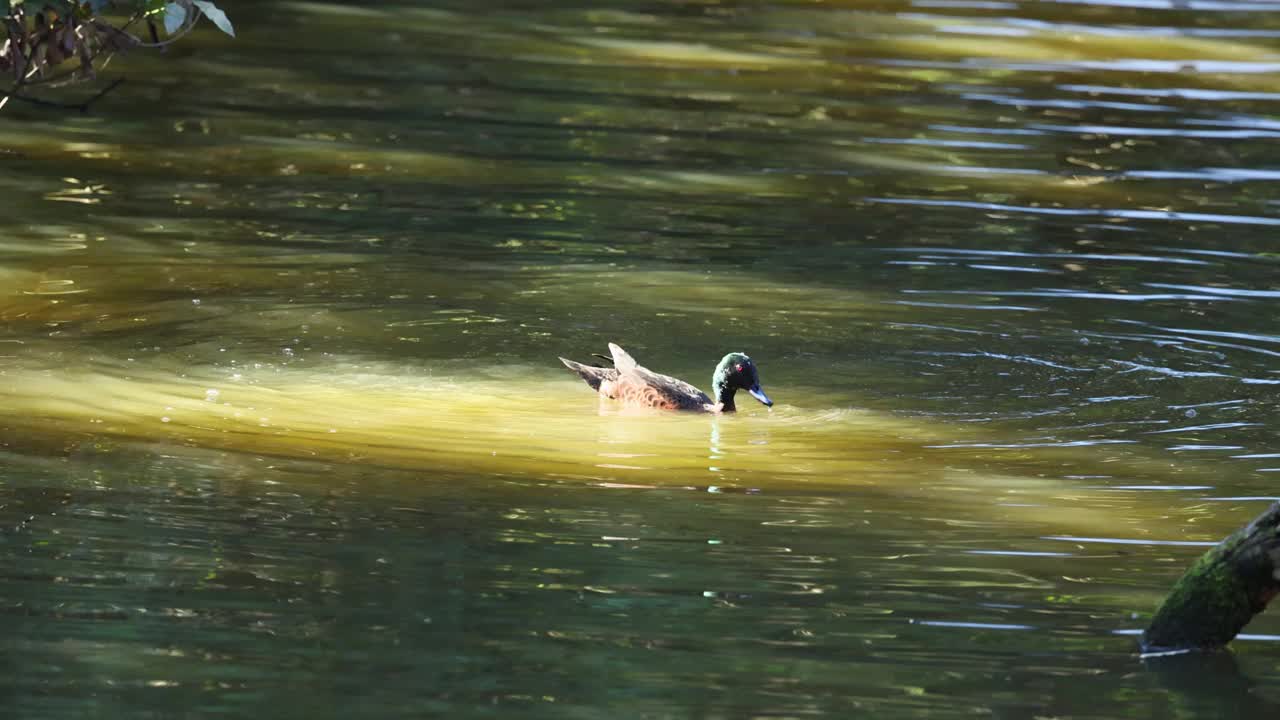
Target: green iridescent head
(737,372)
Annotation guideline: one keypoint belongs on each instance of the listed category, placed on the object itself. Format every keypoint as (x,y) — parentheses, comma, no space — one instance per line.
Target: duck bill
(758,394)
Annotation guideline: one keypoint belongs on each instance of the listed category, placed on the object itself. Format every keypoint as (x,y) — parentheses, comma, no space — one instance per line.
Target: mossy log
(1221,592)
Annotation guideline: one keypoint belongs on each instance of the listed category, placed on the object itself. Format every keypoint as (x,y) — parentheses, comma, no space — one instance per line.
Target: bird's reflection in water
(714,453)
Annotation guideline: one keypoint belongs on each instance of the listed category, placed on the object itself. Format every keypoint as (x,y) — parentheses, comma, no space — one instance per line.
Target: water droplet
(1191,413)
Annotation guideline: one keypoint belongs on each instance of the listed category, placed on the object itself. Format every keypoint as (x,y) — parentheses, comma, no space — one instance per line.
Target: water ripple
(971,4)
(1011,268)
(1017,101)
(977,130)
(931,142)
(973,625)
(1073,294)
(1131,541)
(1017,446)
(1214,174)
(1012,358)
(1180,93)
(1084,212)
(927,250)
(1245,6)
(1196,428)
(1127,131)
(1157,487)
(961,306)
(1227,292)
(1020,553)
(1171,67)
(1170,372)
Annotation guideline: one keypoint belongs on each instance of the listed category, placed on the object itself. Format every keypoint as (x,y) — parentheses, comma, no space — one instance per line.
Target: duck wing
(637,385)
(662,391)
(622,359)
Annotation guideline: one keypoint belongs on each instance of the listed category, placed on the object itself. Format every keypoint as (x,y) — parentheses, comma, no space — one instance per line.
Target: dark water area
(282,428)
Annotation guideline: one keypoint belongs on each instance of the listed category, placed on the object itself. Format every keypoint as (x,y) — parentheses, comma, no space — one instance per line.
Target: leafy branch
(39,36)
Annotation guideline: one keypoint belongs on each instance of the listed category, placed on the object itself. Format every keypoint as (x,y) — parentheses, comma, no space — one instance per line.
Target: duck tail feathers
(591,374)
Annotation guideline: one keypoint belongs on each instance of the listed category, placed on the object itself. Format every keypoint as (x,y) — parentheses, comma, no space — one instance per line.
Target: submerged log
(1221,592)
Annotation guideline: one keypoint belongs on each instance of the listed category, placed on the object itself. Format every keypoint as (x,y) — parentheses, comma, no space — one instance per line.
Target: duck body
(637,386)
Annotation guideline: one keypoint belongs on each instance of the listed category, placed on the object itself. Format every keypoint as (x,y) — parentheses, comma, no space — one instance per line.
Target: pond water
(283,431)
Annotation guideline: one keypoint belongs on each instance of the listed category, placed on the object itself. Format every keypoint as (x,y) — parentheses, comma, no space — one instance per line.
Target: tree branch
(1221,592)
(83,107)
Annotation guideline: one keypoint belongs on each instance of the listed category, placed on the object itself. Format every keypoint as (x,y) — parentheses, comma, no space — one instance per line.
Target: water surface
(283,427)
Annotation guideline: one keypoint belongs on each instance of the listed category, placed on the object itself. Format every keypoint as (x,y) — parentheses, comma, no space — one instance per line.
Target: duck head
(737,372)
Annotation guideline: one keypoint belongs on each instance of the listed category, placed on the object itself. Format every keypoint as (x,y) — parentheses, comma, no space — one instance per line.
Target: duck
(637,386)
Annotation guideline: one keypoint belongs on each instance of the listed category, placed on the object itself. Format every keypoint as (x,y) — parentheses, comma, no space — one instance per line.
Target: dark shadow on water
(1209,683)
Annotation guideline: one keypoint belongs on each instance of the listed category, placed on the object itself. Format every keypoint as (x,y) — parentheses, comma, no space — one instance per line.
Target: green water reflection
(283,427)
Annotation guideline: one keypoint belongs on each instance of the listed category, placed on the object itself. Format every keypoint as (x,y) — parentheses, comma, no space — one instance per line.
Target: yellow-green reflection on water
(519,420)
